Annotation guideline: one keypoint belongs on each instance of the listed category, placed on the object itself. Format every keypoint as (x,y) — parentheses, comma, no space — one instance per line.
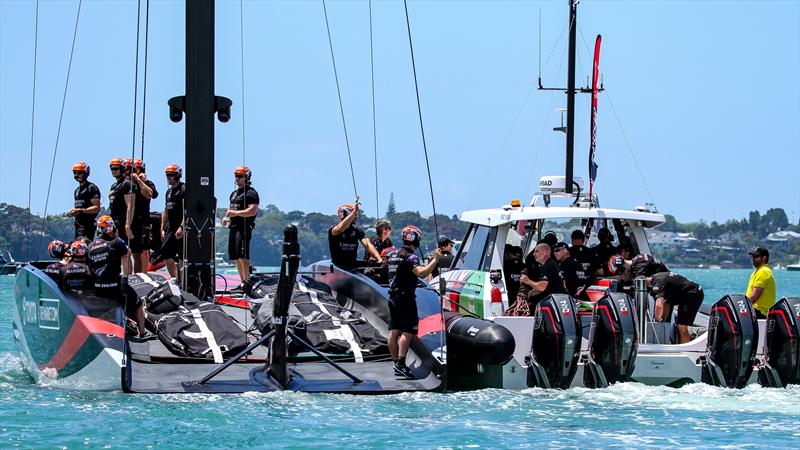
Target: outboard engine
(556,344)
(782,362)
(477,340)
(613,341)
(732,342)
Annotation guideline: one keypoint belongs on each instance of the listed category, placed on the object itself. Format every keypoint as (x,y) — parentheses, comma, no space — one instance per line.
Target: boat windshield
(475,252)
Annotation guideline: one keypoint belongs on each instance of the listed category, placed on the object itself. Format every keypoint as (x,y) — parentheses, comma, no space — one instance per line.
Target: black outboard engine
(732,341)
(782,360)
(477,340)
(613,341)
(556,345)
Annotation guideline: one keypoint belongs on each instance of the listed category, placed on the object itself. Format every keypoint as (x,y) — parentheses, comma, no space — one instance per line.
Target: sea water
(627,415)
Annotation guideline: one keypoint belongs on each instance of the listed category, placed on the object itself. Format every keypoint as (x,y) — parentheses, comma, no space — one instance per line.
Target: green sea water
(627,415)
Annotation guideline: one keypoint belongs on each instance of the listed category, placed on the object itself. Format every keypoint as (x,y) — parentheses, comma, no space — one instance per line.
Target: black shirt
(586,257)
(84,194)
(555,284)
(378,244)
(512,269)
(604,252)
(403,281)
(116,201)
(445,261)
(174,206)
(344,247)
(141,210)
(105,257)
(76,276)
(574,276)
(241,199)
(674,288)
(54,270)
(646,265)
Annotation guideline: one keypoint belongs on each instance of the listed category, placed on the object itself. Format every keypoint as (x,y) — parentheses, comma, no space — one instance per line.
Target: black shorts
(140,241)
(172,247)
(403,314)
(688,308)
(239,243)
(86,231)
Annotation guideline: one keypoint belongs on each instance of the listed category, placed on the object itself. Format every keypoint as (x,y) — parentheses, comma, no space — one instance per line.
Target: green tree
(391,210)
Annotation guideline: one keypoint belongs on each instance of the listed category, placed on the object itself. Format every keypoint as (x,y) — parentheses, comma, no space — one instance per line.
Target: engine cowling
(732,341)
(782,360)
(556,345)
(613,341)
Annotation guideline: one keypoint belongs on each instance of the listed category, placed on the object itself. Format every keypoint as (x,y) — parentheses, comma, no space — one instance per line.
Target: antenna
(562,128)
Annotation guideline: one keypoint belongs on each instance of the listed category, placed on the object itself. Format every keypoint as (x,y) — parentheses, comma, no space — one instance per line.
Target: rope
(419,112)
(374,126)
(33,116)
(136,79)
(241,48)
(339,92)
(60,121)
(144,87)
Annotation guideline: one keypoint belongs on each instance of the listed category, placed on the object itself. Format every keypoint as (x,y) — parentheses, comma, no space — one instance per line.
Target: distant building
(665,239)
(782,238)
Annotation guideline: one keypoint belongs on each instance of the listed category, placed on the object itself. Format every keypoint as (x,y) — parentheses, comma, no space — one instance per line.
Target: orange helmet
(174,169)
(81,166)
(345,210)
(616,265)
(139,165)
(127,163)
(243,171)
(411,234)
(116,162)
(105,225)
(78,249)
(56,249)
(387,251)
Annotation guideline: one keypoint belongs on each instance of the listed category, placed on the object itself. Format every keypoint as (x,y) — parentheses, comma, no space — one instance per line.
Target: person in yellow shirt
(761,288)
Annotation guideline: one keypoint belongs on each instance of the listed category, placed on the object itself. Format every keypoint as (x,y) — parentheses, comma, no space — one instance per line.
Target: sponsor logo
(565,310)
(623,308)
(43,313)
(742,308)
(472,331)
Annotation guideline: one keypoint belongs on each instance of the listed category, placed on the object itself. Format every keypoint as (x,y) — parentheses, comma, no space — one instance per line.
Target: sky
(705,120)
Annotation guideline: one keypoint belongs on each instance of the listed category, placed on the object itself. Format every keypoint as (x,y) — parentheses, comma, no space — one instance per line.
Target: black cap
(444,241)
(560,245)
(578,234)
(759,251)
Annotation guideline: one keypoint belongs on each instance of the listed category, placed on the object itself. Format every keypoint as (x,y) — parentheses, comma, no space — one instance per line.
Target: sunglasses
(115,168)
(77,172)
(239,176)
(172,175)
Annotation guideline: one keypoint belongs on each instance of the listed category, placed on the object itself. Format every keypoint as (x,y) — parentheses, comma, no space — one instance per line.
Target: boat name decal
(44,314)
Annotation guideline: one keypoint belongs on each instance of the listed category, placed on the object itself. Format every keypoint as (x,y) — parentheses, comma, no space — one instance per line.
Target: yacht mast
(573,26)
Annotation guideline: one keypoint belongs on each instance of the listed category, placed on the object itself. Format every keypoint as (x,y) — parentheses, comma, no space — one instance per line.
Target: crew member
(404,273)
(122,203)
(512,269)
(761,287)
(646,265)
(76,274)
(242,219)
(382,239)
(145,191)
(670,290)
(106,254)
(575,279)
(172,220)
(605,249)
(549,280)
(57,250)
(344,237)
(445,246)
(584,255)
(87,201)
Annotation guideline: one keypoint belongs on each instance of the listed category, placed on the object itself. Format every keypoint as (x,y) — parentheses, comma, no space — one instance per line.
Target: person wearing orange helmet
(241,219)
(405,270)
(122,203)
(172,220)
(58,251)
(344,237)
(76,274)
(87,201)
(145,191)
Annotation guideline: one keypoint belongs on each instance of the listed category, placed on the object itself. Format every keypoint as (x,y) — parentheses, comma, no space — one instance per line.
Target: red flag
(595,76)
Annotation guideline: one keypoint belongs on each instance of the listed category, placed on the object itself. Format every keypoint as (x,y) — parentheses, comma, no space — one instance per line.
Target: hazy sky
(707,93)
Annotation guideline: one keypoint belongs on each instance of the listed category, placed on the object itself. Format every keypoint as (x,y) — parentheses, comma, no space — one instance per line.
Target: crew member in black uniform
(87,201)
(242,219)
(381,240)
(404,273)
(344,237)
(670,290)
(106,254)
(512,269)
(145,191)
(445,246)
(549,280)
(575,279)
(584,255)
(76,275)
(57,250)
(121,205)
(172,220)
(646,265)
(605,249)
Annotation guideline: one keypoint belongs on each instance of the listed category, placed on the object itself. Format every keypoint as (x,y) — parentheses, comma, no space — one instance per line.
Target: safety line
(33,116)
(374,126)
(144,87)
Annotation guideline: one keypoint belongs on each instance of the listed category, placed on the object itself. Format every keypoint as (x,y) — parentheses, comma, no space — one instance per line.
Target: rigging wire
(60,121)
(136,78)
(339,92)
(33,117)
(374,126)
(421,127)
(144,86)
(241,48)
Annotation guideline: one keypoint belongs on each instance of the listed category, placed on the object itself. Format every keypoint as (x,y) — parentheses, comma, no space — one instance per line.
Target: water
(626,415)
